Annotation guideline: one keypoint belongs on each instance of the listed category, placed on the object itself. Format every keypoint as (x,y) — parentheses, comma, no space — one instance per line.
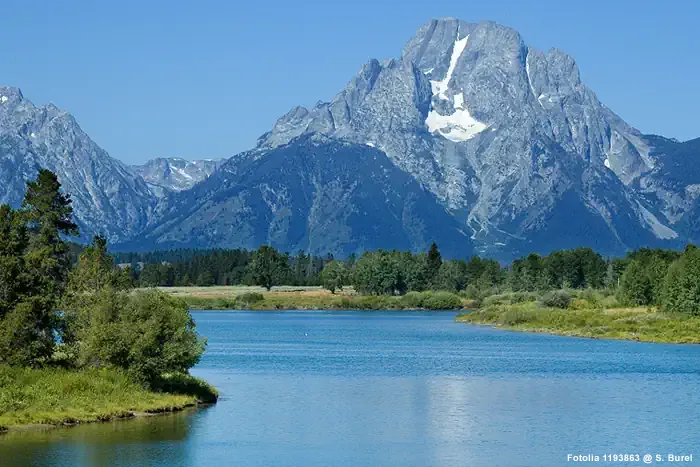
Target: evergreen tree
(269,267)
(28,329)
(434,262)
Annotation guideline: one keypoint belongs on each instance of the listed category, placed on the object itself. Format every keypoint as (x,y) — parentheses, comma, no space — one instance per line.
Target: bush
(511,298)
(556,299)
(413,300)
(442,301)
(250,298)
(146,334)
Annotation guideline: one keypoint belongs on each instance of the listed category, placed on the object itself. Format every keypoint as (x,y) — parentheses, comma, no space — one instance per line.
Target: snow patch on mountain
(460,126)
(440,87)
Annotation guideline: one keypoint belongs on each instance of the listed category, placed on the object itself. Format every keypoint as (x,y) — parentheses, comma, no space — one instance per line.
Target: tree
(48,214)
(269,267)
(378,273)
(13,242)
(681,289)
(148,334)
(635,285)
(38,258)
(434,262)
(451,277)
(95,270)
(334,275)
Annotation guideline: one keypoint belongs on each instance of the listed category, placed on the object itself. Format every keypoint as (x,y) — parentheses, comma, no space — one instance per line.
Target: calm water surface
(404,389)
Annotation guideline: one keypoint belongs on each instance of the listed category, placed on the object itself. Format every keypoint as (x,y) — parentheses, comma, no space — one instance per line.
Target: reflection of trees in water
(127,442)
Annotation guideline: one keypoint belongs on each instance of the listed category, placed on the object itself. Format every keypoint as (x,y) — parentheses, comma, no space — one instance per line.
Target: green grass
(53,396)
(589,318)
(306,300)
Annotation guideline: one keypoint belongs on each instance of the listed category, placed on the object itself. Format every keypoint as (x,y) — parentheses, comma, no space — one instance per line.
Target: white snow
(460,126)
(182,172)
(660,230)
(459,100)
(607,163)
(427,72)
(440,87)
(4,99)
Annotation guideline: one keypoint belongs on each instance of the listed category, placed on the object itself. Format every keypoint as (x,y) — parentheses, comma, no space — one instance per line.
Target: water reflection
(404,389)
(155,440)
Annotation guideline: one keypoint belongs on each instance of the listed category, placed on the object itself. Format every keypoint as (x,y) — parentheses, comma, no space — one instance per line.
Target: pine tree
(434,262)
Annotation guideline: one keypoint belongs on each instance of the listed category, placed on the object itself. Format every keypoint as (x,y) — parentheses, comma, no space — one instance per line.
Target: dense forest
(640,278)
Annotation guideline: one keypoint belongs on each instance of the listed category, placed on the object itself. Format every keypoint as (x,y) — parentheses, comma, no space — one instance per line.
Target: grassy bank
(310,298)
(593,317)
(54,396)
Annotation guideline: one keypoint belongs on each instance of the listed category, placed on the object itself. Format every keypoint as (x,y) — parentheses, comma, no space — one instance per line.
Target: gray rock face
(107,197)
(508,138)
(174,174)
(316,194)
(470,138)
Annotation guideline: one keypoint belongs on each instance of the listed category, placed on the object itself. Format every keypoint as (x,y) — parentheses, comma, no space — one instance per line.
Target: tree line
(643,277)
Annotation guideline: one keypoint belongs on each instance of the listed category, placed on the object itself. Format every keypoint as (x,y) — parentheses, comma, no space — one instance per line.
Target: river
(403,389)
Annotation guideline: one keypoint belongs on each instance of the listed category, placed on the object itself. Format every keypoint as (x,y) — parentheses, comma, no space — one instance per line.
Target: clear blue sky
(204,79)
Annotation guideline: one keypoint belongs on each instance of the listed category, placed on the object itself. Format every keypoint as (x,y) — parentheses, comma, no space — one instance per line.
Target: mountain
(107,197)
(175,174)
(315,194)
(469,138)
(509,140)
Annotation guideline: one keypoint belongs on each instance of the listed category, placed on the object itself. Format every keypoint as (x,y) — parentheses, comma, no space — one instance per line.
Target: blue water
(404,389)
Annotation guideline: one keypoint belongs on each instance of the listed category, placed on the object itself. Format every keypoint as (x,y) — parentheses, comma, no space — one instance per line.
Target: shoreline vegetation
(588,314)
(83,339)
(77,343)
(311,298)
(56,397)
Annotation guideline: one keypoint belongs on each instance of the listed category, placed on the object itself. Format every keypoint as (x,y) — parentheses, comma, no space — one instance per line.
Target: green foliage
(378,273)
(95,270)
(451,276)
(556,299)
(640,324)
(269,267)
(147,334)
(681,286)
(334,276)
(442,301)
(250,298)
(434,261)
(34,263)
(57,396)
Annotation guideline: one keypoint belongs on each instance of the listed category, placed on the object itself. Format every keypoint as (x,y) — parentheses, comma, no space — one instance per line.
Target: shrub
(442,301)
(413,300)
(250,298)
(146,334)
(556,299)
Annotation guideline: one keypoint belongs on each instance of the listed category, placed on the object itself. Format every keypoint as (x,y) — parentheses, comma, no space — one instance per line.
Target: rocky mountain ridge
(498,149)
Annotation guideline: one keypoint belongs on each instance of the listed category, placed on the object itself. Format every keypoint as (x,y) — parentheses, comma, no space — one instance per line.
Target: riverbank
(59,397)
(310,298)
(638,324)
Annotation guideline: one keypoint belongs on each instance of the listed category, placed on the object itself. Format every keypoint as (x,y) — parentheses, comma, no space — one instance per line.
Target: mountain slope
(165,175)
(315,194)
(508,139)
(107,197)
